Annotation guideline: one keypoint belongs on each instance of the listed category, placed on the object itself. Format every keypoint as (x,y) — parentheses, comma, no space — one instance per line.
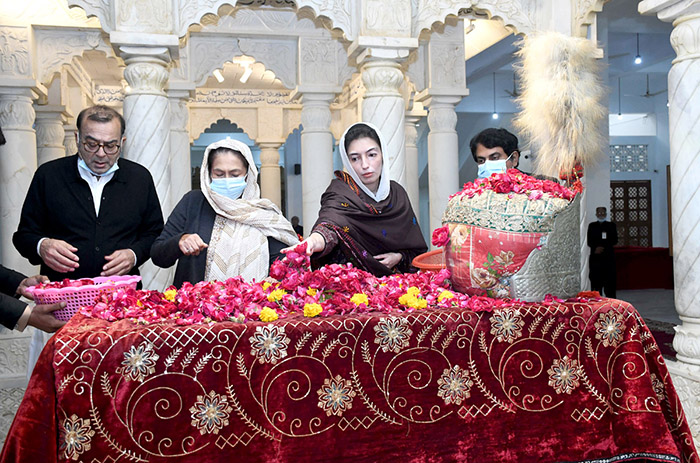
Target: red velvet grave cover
(529,383)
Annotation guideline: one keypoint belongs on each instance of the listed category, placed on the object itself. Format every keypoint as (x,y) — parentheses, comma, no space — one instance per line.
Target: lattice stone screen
(629,158)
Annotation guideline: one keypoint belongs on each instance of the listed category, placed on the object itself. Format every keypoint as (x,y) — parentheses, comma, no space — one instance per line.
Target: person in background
(365,218)
(495,150)
(602,236)
(297,228)
(226,229)
(15,314)
(92,213)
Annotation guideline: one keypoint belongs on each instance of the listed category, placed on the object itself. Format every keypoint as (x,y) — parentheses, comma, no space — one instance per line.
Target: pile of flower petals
(514,181)
(65,283)
(332,289)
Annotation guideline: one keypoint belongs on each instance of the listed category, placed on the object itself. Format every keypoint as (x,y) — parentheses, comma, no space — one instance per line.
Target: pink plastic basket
(81,296)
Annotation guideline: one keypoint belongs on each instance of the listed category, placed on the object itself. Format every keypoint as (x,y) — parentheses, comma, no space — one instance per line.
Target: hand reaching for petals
(314,243)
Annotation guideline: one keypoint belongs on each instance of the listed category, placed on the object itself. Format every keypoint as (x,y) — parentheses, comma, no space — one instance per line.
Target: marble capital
(316,112)
(669,10)
(685,38)
(50,133)
(369,48)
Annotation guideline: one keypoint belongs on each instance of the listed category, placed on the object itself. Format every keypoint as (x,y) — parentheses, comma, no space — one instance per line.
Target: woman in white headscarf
(365,218)
(225,229)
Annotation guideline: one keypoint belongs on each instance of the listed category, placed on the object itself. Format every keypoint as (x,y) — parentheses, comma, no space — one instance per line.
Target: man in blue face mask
(495,150)
(93,213)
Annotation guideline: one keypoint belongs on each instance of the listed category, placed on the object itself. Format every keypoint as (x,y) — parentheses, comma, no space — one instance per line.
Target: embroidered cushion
(506,244)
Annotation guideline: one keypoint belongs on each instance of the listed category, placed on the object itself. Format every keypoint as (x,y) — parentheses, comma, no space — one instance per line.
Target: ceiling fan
(514,93)
(648,93)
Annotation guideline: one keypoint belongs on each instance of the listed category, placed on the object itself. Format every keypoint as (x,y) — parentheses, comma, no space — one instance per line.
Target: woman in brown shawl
(365,218)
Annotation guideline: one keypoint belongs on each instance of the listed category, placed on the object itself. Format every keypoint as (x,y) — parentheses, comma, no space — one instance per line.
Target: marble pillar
(443,155)
(50,134)
(17,166)
(270,179)
(383,106)
(147,114)
(684,127)
(180,163)
(316,154)
(411,185)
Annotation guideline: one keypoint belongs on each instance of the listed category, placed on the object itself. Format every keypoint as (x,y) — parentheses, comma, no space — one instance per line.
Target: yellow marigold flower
(445,295)
(359,298)
(311,291)
(266,285)
(139,303)
(421,304)
(406,299)
(276,295)
(268,315)
(311,310)
(170,295)
(413,291)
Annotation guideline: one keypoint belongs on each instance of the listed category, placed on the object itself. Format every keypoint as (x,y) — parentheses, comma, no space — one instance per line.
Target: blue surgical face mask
(493,167)
(232,188)
(602,219)
(84,166)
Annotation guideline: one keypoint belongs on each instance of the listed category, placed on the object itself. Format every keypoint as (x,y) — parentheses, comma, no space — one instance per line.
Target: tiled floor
(652,304)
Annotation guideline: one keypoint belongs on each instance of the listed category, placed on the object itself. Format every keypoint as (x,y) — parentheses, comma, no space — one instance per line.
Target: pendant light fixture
(619,98)
(638,57)
(495,113)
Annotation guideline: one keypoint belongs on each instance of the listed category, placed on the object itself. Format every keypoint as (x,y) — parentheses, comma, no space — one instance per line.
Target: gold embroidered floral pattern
(75,437)
(658,386)
(210,413)
(454,385)
(507,325)
(335,396)
(393,334)
(609,328)
(139,362)
(269,344)
(564,375)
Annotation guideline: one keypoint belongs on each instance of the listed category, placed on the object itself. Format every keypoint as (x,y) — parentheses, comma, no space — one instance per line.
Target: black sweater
(59,205)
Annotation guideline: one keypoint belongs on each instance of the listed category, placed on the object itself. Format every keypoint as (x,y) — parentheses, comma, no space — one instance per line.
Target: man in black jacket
(15,314)
(93,213)
(602,236)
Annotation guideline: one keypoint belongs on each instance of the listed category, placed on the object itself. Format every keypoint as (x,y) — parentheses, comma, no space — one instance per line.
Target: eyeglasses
(93,146)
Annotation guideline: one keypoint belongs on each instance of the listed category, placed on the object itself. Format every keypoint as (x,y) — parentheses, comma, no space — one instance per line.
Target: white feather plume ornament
(561,110)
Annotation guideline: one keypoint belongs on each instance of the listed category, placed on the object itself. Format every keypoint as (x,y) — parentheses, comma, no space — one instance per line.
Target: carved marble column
(69,142)
(17,166)
(180,163)
(316,154)
(147,114)
(411,185)
(270,179)
(443,155)
(684,135)
(384,107)
(50,134)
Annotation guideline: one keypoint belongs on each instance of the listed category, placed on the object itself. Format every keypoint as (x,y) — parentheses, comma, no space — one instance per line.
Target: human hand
(42,317)
(30,281)
(59,255)
(191,244)
(314,243)
(118,263)
(598,250)
(389,259)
